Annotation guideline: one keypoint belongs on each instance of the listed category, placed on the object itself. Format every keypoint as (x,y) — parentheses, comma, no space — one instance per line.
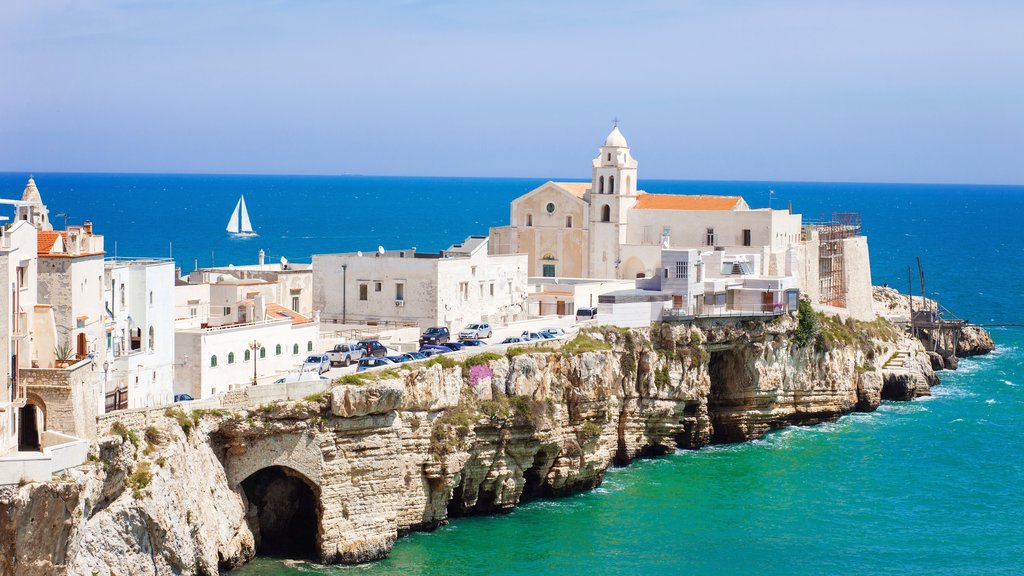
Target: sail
(246,224)
(233,223)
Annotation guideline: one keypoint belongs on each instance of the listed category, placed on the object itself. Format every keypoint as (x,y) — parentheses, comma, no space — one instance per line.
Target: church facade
(607,228)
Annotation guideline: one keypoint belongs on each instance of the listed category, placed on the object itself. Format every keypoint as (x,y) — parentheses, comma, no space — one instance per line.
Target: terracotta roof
(577,189)
(282,313)
(686,202)
(45,240)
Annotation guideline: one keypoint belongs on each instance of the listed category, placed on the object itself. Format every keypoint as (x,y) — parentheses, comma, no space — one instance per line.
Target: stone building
(609,229)
(292,283)
(451,288)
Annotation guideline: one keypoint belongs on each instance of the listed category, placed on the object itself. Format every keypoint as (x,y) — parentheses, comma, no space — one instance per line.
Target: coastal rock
(346,475)
(974,341)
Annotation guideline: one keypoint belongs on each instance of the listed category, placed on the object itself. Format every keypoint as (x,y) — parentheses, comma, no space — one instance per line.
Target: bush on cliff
(808,326)
(585,343)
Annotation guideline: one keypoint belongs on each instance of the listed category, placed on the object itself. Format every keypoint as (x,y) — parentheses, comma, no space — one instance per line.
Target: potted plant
(63,354)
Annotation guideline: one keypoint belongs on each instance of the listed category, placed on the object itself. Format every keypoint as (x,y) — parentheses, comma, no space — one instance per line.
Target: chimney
(790,206)
(263,256)
(88,227)
(195,263)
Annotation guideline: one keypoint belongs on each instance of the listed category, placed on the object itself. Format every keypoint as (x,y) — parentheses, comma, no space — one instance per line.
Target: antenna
(359,253)
(771,196)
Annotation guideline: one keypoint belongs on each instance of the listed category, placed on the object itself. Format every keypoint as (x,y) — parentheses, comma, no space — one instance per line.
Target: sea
(934,486)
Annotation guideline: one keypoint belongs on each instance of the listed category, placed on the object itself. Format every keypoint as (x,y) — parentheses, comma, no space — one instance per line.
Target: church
(607,228)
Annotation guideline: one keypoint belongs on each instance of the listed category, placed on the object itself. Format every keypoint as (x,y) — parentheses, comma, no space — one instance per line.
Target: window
(568,221)
(152,338)
(709,239)
(122,295)
(231,357)
(247,355)
(611,184)
(295,348)
(492,288)
(600,185)
(609,156)
(150,297)
(277,350)
(550,207)
(682,269)
(746,237)
(263,352)
(21,277)
(309,346)
(529,219)
(363,289)
(213,361)
(377,286)
(549,271)
(399,291)
(295,303)
(227,311)
(606,213)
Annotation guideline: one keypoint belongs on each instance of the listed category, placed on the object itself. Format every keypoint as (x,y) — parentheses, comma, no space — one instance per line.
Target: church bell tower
(612,194)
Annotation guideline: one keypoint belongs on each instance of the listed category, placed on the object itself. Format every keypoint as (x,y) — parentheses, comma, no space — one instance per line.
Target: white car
(318,363)
(553,332)
(529,336)
(476,331)
(300,377)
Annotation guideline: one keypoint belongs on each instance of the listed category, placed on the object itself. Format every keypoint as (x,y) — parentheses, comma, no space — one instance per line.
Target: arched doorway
(284,513)
(633,268)
(29,417)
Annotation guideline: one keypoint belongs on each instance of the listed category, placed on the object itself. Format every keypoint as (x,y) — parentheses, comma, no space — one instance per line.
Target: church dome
(31,193)
(616,139)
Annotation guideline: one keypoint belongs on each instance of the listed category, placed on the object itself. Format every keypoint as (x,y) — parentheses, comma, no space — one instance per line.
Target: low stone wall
(59,453)
(67,396)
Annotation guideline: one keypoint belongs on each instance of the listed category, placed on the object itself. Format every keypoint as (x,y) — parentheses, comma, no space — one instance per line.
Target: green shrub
(661,378)
(353,379)
(583,342)
(807,326)
(181,418)
(590,429)
(441,360)
(139,479)
(118,428)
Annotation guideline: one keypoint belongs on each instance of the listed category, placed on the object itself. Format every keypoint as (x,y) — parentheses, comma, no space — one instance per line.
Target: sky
(805,90)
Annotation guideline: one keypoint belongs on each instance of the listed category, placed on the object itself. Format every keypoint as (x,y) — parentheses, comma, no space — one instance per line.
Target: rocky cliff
(339,476)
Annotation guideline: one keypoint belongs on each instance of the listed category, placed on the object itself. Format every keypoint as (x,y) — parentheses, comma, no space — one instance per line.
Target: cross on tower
(615,122)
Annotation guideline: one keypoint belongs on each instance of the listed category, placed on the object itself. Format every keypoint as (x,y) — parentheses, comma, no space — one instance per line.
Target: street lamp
(344,288)
(255,346)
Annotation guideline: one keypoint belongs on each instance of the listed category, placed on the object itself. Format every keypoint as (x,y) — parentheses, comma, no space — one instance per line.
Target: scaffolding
(832,257)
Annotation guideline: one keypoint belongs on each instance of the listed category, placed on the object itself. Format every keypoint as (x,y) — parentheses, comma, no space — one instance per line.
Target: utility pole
(344,291)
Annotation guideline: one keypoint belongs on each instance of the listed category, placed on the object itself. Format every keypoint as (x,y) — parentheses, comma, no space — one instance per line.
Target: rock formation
(400,450)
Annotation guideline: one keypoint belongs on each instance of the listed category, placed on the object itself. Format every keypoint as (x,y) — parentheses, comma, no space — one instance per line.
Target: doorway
(28,437)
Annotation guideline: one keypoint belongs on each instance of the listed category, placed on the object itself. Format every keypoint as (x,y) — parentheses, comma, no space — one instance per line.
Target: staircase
(898,361)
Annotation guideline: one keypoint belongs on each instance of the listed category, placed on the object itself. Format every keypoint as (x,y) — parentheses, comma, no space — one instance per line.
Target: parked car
(513,340)
(300,377)
(183,398)
(416,355)
(372,348)
(475,331)
(345,354)
(586,314)
(474,342)
(553,332)
(454,346)
(399,358)
(528,336)
(367,362)
(435,335)
(434,349)
(317,362)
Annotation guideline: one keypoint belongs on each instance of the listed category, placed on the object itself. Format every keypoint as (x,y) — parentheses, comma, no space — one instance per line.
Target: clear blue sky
(887,90)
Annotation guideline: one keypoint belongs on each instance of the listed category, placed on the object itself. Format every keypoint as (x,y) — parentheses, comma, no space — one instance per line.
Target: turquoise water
(927,487)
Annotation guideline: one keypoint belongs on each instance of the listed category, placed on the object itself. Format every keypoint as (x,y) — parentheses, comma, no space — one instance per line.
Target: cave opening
(729,383)
(534,477)
(284,513)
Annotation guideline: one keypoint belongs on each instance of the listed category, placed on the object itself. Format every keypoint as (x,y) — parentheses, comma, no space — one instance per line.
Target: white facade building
(139,300)
(18,300)
(452,288)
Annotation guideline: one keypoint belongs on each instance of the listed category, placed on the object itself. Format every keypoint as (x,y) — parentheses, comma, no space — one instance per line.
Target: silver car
(476,331)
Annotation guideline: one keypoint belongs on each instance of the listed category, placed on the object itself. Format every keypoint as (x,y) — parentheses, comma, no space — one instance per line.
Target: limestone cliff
(339,476)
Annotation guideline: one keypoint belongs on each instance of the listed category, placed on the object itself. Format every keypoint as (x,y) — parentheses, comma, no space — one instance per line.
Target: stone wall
(69,396)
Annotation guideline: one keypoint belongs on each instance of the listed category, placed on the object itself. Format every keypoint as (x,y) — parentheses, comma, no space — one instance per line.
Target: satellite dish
(380,249)
(284,261)
(359,253)
(231,266)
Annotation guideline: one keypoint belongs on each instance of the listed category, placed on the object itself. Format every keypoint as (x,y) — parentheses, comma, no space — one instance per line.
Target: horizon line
(31,173)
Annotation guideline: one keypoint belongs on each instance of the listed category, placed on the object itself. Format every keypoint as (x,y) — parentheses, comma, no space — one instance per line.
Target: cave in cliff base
(729,389)
(283,513)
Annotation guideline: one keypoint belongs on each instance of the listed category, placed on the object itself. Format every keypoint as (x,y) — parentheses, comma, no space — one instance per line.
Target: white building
(451,288)
(228,328)
(292,283)
(608,228)
(139,298)
(563,296)
(18,300)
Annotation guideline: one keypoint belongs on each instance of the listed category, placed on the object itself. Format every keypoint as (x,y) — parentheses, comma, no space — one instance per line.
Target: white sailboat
(239,224)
